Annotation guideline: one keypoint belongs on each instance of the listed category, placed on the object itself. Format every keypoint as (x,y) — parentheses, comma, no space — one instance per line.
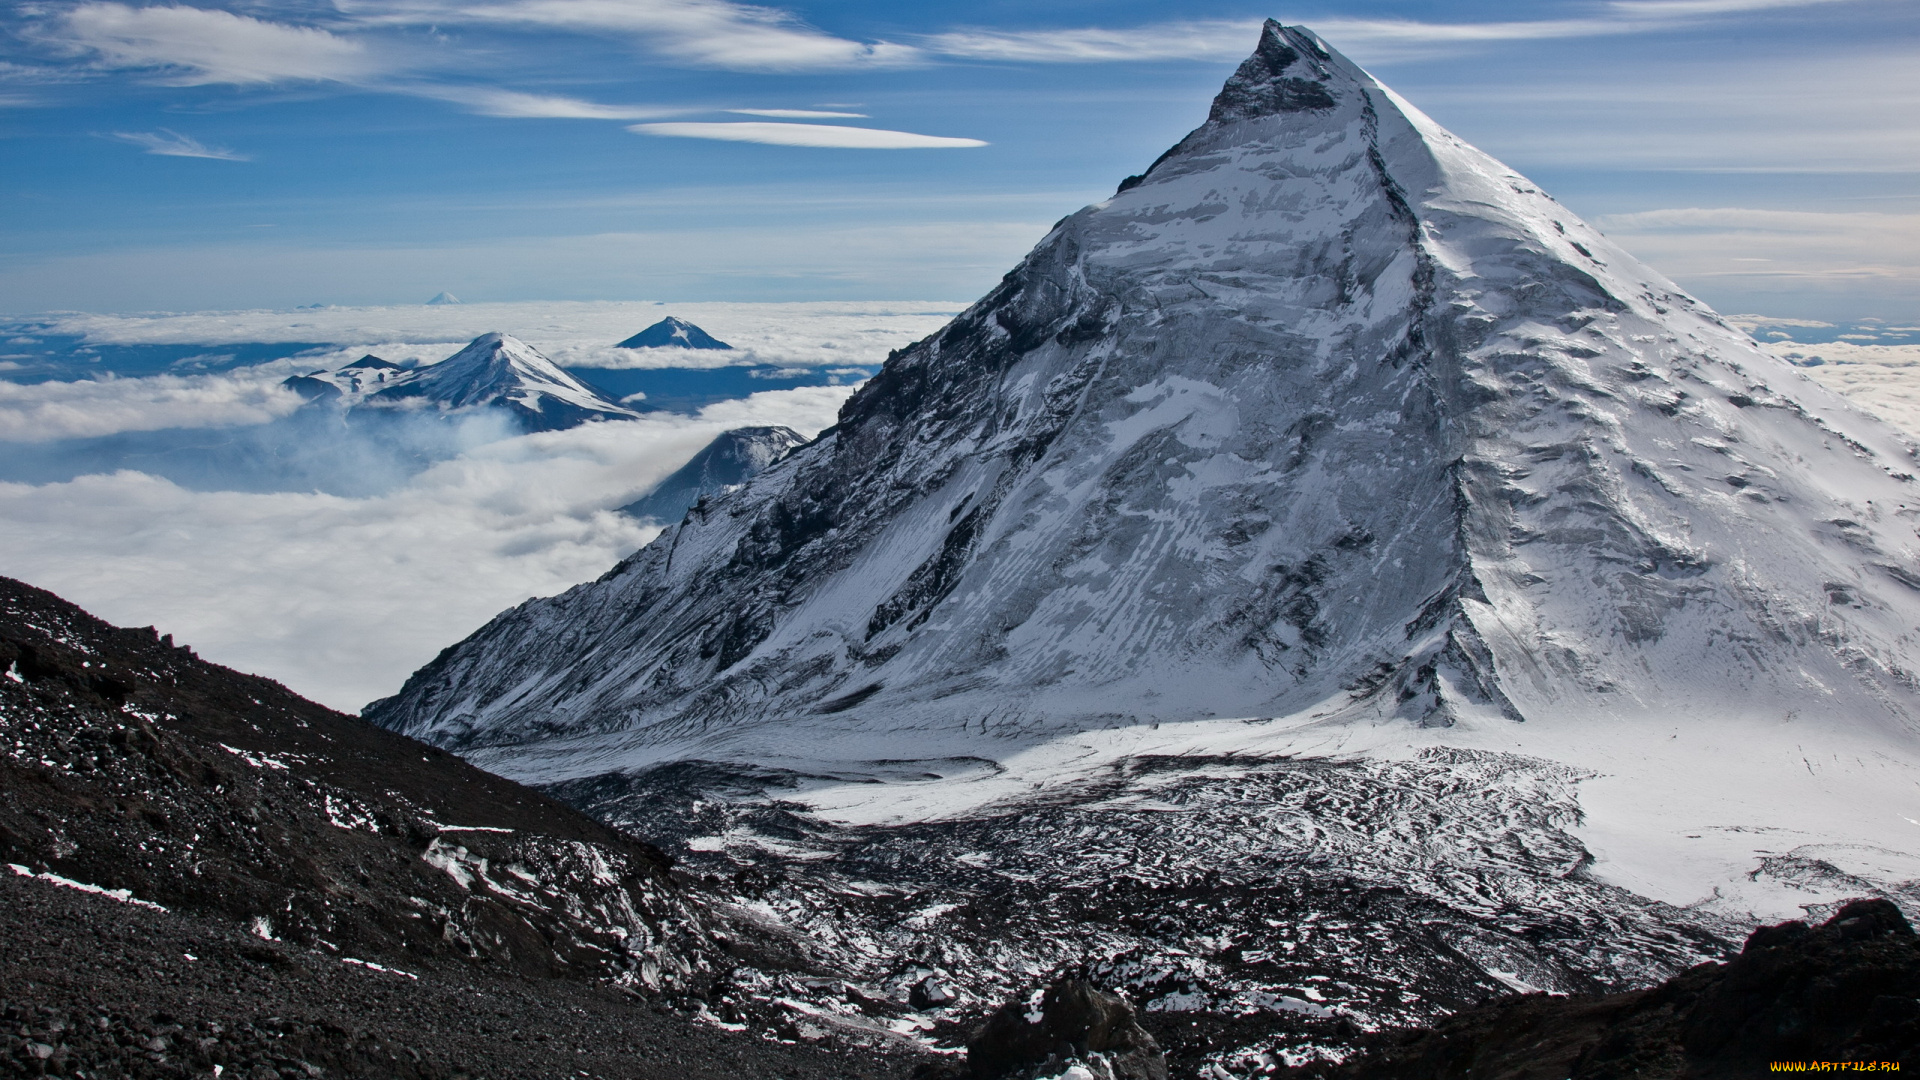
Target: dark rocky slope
(302,845)
(90,987)
(1845,991)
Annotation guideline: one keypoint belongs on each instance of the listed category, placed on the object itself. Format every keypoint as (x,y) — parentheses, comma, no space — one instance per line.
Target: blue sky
(280,152)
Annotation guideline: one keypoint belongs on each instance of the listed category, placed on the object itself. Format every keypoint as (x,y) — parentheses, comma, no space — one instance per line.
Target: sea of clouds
(341,598)
(358,559)
(572,334)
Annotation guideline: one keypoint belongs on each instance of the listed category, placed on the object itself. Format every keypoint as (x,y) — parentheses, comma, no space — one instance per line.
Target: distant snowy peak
(443,299)
(349,384)
(1327,415)
(733,458)
(495,371)
(672,333)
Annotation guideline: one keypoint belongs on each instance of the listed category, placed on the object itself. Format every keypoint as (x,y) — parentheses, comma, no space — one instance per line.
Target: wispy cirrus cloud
(492,101)
(698,33)
(173,144)
(1684,9)
(1209,39)
(799,114)
(1371,38)
(197,46)
(1808,247)
(1225,40)
(822,135)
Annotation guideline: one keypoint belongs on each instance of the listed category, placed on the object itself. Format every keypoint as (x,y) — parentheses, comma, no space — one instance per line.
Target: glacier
(1328,438)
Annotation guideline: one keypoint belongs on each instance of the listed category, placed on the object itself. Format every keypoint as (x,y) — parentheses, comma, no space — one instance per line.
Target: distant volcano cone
(443,299)
(496,371)
(672,333)
(734,457)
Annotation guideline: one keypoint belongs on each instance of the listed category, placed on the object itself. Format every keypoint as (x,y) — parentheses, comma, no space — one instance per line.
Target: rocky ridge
(1839,997)
(222,851)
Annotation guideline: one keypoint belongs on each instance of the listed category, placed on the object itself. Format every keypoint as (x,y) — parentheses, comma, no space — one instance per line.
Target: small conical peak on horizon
(442,299)
(672,333)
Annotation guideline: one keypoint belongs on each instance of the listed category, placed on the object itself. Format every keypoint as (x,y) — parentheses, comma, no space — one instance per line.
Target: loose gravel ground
(95,988)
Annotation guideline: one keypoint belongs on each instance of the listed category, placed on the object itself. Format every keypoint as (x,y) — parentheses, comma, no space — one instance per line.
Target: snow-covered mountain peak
(673,333)
(1287,73)
(733,457)
(495,371)
(1328,418)
(492,365)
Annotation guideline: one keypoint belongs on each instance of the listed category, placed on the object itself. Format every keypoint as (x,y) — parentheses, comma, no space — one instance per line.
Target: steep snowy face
(497,370)
(1326,414)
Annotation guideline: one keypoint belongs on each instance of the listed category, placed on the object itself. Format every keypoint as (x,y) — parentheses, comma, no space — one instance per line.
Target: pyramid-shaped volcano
(1327,417)
(497,370)
(672,333)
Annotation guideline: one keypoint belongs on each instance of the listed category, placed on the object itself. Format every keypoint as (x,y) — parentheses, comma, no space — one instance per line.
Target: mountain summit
(494,371)
(1327,418)
(672,333)
(733,457)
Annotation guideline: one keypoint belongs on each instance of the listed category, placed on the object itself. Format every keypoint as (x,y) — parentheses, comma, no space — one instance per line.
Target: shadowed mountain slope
(1842,991)
(134,765)
(199,868)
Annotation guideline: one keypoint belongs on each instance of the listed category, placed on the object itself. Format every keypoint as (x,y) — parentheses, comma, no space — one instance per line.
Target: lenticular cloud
(827,135)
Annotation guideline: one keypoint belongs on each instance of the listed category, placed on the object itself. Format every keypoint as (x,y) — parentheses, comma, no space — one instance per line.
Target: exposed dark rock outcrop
(311,388)
(197,856)
(1078,1023)
(93,988)
(1845,991)
(131,764)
